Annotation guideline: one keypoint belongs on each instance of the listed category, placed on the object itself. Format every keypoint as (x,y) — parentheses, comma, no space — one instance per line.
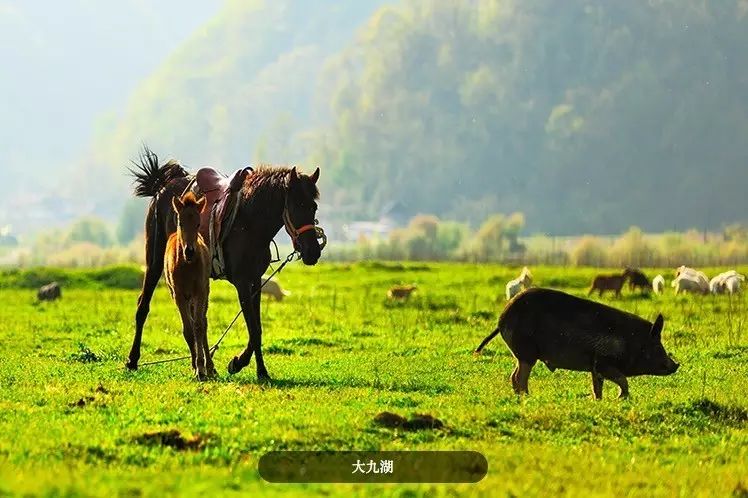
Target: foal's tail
(150,179)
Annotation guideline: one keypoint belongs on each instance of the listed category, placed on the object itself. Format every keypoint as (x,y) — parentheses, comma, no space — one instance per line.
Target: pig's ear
(657,327)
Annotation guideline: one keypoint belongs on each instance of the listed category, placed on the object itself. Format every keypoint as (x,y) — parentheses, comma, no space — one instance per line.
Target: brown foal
(187,275)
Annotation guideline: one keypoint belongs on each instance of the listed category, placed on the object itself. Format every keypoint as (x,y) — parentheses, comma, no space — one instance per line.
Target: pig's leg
(597,385)
(513,378)
(614,375)
(523,374)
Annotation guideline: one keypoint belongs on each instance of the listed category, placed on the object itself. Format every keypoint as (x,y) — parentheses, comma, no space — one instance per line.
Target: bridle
(294,232)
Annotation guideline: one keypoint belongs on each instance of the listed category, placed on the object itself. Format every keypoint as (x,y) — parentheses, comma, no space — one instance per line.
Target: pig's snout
(671,366)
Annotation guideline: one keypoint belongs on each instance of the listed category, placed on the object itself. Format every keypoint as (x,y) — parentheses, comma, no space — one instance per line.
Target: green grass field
(72,420)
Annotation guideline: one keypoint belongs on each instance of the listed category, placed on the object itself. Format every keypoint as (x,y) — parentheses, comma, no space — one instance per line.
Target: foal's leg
(202,318)
(188,326)
(154,256)
(199,338)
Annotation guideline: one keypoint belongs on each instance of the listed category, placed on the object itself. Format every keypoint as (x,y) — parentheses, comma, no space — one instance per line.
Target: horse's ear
(201,204)
(315,176)
(177,204)
(294,175)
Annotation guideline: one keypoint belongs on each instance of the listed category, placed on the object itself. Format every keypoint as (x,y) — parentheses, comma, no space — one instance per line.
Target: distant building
(395,213)
(356,230)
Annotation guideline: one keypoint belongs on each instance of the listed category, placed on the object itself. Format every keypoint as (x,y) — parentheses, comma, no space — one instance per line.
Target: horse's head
(188,210)
(299,214)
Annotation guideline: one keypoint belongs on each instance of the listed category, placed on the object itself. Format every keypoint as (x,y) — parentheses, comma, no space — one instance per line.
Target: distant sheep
(401,291)
(694,275)
(687,282)
(524,281)
(716,285)
(732,284)
(273,289)
(658,284)
(719,284)
(49,292)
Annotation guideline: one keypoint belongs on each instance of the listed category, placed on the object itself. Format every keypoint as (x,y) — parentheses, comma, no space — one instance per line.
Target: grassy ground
(72,420)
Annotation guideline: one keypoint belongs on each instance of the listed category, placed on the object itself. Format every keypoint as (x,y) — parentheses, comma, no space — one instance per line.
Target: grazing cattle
(686,282)
(524,281)
(49,292)
(658,284)
(273,289)
(602,283)
(187,264)
(696,275)
(637,279)
(401,291)
(572,333)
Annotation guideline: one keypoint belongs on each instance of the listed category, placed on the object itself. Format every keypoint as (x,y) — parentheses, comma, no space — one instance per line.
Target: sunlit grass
(72,419)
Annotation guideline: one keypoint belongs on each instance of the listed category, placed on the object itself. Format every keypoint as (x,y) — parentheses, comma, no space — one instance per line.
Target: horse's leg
(210,369)
(251,310)
(154,256)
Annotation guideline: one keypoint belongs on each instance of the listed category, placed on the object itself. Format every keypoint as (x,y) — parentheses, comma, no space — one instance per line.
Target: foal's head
(301,205)
(188,210)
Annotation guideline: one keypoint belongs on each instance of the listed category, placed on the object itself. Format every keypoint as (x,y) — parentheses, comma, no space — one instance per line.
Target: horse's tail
(150,178)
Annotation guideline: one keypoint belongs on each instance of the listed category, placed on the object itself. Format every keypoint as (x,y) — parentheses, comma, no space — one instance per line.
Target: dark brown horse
(270,198)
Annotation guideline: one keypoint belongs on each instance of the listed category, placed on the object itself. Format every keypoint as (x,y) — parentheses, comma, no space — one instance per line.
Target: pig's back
(565,331)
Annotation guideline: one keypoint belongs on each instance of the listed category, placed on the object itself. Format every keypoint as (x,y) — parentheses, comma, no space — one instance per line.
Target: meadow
(74,422)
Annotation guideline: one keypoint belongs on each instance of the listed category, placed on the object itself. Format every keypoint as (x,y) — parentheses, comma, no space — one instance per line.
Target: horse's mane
(265,182)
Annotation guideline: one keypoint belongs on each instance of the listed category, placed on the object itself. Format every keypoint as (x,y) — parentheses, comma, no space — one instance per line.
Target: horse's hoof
(212,373)
(264,377)
(131,365)
(233,368)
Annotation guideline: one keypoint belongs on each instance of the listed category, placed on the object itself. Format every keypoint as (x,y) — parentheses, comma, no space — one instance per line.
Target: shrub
(589,251)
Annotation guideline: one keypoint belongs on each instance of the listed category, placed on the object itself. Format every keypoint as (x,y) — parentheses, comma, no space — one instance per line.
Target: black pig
(572,333)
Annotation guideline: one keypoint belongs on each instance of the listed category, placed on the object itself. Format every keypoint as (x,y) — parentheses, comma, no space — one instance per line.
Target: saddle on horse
(222,196)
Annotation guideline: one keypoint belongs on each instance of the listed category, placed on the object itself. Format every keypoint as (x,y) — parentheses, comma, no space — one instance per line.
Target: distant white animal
(716,285)
(273,288)
(732,283)
(523,281)
(658,284)
(719,284)
(689,283)
(692,274)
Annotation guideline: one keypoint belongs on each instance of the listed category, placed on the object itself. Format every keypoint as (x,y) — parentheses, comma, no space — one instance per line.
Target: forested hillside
(586,116)
(240,90)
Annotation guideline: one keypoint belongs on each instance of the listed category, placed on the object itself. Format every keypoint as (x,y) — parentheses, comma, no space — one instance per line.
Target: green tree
(90,229)
(131,220)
